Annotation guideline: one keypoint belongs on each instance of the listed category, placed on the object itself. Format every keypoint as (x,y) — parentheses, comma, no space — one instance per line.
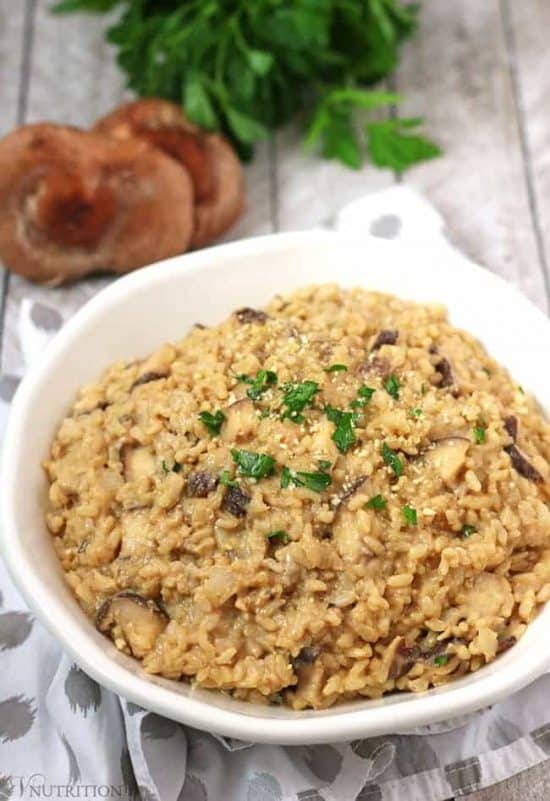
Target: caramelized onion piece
(135,620)
(73,202)
(211,162)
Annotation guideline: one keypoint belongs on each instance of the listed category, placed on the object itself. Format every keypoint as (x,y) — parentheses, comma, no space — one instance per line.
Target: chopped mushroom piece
(522,464)
(132,621)
(248,315)
(146,378)
(306,656)
(511,426)
(137,461)
(385,337)
(443,367)
(241,421)
(448,456)
(73,202)
(351,488)
(201,484)
(235,501)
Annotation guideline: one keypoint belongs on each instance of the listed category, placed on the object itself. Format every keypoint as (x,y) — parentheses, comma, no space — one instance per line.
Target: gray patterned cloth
(63,736)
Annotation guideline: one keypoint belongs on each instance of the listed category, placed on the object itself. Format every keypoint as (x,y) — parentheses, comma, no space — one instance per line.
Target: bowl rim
(349,724)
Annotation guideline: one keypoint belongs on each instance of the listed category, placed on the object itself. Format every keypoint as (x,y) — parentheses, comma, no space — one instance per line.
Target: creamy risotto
(339,496)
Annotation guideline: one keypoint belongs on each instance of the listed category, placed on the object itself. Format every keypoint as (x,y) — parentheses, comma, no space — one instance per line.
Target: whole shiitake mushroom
(73,202)
(211,162)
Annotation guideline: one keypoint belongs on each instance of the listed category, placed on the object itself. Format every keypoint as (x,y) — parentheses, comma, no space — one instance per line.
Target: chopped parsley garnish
(324,464)
(243,378)
(467,530)
(343,435)
(176,467)
(253,465)
(364,394)
(392,460)
(423,389)
(521,389)
(486,371)
(296,398)
(264,413)
(264,379)
(410,515)
(479,432)
(441,660)
(226,479)
(213,422)
(377,502)
(392,386)
(317,482)
(280,535)
(416,412)
(336,368)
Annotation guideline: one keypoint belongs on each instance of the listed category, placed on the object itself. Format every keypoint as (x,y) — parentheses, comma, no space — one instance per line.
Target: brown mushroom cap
(72,202)
(131,621)
(214,168)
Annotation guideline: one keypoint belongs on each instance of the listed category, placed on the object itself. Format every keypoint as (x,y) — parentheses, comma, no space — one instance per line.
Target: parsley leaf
(364,395)
(467,531)
(417,412)
(296,398)
(441,660)
(264,379)
(226,479)
(479,432)
(324,464)
(280,535)
(344,435)
(377,502)
(392,460)
(213,422)
(394,144)
(336,368)
(392,386)
(317,482)
(253,465)
(410,515)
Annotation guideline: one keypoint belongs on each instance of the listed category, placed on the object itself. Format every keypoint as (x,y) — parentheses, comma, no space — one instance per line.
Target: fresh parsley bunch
(246,67)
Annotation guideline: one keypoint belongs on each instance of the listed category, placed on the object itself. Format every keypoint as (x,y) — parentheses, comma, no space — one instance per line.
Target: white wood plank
(455,72)
(528,26)
(311,190)
(11,43)
(531,785)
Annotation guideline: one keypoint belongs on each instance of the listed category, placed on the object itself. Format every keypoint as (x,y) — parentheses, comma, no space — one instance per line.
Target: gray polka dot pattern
(134,709)
(370,792)
(464,777)
(6,788)
(128,777)
(17,715)
(379,750)
(74,770)
(156,728)
(15,628)
(309,795)
(502,732)
(83,693)
(386,227)
(414,754)
(262,787)
(324,761)
(8,387)
(193,790)
(45,317)
(541,737)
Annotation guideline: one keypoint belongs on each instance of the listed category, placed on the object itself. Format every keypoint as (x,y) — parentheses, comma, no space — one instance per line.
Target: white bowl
(139,312)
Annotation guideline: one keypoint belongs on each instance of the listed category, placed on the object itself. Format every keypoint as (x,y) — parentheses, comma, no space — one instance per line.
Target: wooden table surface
(478,70)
